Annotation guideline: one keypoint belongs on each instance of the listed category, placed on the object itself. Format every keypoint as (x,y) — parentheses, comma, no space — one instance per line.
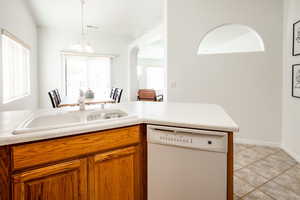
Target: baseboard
(291,153)
(256,142)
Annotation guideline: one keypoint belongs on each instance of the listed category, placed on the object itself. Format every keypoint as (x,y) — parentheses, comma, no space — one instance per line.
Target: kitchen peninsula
(93,158)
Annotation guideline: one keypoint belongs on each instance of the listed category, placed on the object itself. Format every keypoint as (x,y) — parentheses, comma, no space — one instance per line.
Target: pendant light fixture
(83,46)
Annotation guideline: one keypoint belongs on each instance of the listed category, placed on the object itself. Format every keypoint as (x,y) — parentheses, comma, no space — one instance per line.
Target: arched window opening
(231,38)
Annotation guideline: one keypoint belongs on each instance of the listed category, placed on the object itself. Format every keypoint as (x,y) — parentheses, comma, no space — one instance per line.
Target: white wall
(16,18)
(247,85)
(53,41)
(291,105)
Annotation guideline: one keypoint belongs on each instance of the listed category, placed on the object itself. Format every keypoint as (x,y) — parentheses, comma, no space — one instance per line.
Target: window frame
(27,93)
(66,54)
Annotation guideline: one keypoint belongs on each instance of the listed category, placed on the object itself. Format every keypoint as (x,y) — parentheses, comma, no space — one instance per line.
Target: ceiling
(130,18)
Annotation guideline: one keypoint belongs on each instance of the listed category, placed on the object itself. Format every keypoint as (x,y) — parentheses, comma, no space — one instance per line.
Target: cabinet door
(115,175)
(67,181)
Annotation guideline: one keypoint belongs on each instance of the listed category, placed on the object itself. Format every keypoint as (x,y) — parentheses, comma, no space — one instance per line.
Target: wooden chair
(118,95)
(148,95)
(53,98)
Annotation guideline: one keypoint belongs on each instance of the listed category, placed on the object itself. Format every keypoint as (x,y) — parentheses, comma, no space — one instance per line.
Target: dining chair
(53,99)
(57,95)
(148,95)
(118,95)
(113,93)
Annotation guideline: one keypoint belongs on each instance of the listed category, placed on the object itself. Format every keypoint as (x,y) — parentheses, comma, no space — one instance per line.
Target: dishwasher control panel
(188,138)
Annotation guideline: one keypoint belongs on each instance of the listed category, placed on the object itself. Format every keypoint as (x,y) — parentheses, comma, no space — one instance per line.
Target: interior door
(115,175)
(67,181)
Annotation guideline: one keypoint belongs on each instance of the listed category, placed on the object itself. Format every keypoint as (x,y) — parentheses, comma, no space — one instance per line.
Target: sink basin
(55,120)
(101,115)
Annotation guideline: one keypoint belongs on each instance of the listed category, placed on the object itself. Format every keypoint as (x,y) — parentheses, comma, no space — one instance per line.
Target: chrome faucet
(81,100)
(81,103)
(102,106)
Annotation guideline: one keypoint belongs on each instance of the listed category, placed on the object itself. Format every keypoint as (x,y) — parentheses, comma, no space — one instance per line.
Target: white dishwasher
(186,164)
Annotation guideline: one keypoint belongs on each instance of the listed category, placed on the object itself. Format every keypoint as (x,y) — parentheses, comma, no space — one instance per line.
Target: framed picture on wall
(296,39)
(296,81)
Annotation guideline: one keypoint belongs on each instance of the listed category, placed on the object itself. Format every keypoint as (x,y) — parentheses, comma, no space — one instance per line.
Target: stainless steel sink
(101,115)
(55,120)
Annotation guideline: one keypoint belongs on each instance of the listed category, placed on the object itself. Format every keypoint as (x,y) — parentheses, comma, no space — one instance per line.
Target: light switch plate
(173,84)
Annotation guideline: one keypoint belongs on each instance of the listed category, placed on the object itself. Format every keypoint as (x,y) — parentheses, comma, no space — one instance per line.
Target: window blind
(15,68)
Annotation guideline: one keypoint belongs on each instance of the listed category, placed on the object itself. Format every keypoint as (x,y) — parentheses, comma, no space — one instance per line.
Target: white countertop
(188,115)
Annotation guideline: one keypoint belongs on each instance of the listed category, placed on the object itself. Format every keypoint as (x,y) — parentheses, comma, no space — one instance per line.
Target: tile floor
(265,173)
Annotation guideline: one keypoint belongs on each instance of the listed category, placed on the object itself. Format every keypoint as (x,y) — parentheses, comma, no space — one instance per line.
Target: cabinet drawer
(28,155)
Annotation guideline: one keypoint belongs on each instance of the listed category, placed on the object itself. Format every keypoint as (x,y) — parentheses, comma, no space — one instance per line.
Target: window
(16,68)
(231,38)
(87,73)
(155,78)
(151,77)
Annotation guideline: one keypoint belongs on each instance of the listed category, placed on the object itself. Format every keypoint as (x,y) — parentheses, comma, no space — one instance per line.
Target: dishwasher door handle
(185,130)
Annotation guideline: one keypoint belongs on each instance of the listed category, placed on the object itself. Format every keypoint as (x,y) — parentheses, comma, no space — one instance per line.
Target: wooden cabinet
(106,165)
(39,153)
(67,181)
(115,175)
